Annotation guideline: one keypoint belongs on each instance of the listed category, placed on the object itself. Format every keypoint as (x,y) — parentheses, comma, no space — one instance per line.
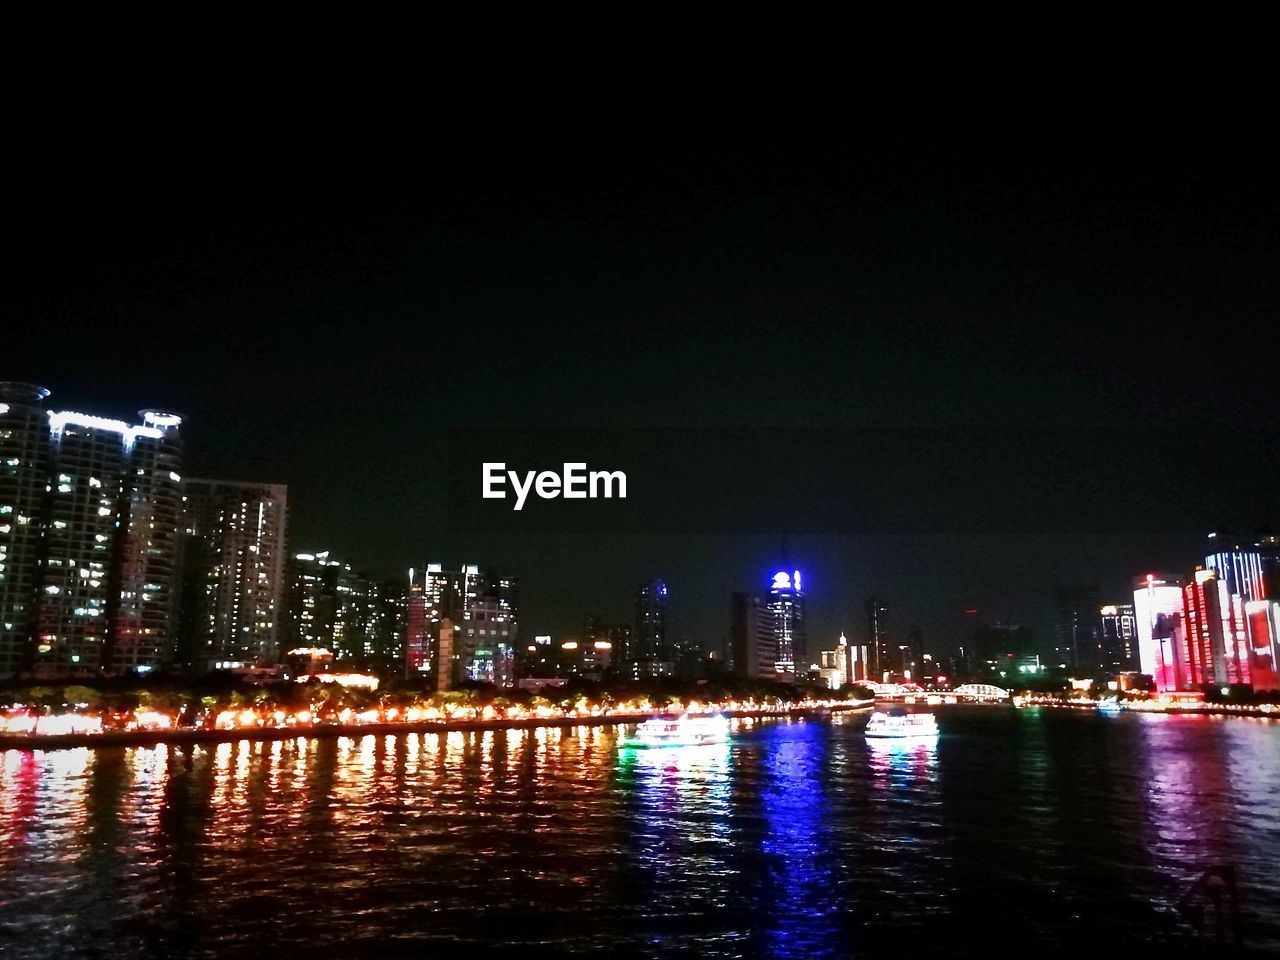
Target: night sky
(340,330)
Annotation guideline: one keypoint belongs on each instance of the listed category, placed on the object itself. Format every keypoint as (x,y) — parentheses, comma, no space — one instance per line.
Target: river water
(1015,829)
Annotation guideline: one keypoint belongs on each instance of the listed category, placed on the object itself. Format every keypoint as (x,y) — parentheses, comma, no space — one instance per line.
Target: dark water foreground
(1038,831)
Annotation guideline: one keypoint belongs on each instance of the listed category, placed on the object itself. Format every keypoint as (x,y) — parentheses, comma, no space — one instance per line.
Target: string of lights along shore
(113,562)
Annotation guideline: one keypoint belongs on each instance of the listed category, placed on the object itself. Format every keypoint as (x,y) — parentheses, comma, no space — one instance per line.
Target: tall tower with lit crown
(786,603)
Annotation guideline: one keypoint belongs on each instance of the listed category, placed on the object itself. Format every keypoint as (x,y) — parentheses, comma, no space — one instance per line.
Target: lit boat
(684,731)
(1109,706)
(899,725)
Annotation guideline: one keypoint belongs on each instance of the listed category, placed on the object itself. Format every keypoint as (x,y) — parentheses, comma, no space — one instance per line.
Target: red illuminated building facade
(1205,633)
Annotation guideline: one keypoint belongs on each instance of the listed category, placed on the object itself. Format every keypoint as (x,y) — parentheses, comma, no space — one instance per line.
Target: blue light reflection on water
(802,913)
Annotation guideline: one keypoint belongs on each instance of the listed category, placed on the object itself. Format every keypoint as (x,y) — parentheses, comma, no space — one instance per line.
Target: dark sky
(341,329)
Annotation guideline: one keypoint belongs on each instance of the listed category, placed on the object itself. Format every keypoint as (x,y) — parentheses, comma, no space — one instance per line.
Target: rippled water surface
(798,839)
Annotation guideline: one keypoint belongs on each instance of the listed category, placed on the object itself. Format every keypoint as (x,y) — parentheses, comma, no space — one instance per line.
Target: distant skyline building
(89,538)
(1004,650)
(652,653)
(1119,637)
(912,654)
(753,638)
(616,635)
(859,665)
(1262,622)
(1079,631)
(1268,546)
(313,601)
(482,607)
(418,646)
(485,642)
(386,624)
(877,632)
(840,665)
(233,602)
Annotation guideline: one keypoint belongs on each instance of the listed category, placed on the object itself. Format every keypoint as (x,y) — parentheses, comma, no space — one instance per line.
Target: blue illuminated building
(786,604)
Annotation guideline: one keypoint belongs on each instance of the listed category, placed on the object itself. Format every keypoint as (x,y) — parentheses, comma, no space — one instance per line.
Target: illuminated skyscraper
(1240,568)
(786,602)
(1119,637)
(1158,611)
(1216,647)
(89,532)
(233,570)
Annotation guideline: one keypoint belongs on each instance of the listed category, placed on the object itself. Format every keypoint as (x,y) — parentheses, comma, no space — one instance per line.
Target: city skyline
(204,508)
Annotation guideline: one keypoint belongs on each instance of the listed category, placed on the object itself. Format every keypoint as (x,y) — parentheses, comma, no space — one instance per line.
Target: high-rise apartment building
(90,511)
(329,607)
(387,624)
(24,474)
(233,606)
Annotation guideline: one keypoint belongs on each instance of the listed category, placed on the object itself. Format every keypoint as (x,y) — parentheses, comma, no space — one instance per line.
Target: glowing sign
(782,580)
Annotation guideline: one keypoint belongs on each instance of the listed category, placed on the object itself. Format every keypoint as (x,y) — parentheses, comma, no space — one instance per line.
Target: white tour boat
(900,725)
(682,731)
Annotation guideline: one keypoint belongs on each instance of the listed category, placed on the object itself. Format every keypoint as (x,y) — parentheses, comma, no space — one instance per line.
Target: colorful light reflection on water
(795,839)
